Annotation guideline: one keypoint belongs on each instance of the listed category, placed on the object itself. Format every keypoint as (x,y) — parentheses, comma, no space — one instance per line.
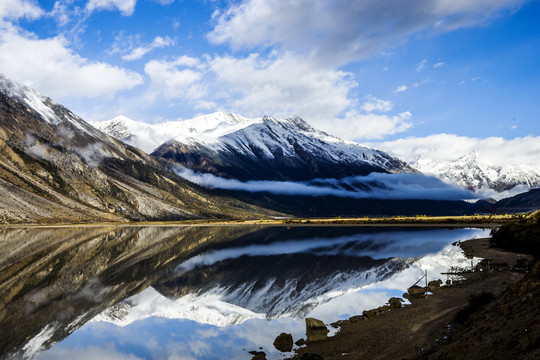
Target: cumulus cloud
(16,9)
(341,31)
(51,67)
(175,79)
(126,7)
(382,186)
(370,126)
(373,104)
(282,85)
(447,147)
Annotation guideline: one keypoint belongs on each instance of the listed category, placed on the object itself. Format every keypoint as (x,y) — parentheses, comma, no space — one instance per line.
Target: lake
(200,292)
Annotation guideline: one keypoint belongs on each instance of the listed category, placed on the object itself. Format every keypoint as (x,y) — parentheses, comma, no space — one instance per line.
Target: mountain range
(231,146)
(55,167)
(267,148)
(471,173)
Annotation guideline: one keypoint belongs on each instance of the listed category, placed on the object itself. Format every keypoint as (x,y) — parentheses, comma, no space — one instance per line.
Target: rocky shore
(431,325)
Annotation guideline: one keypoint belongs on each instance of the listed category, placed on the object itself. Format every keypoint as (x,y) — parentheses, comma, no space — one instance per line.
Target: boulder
(284,342)
(260,355)
(416,291)
(434,285)
(315,330)
(395,303)
(300,342)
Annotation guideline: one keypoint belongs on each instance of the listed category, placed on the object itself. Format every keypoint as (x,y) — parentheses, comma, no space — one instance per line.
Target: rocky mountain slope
(470,172)
(525,202)
(56,167)
(231,146)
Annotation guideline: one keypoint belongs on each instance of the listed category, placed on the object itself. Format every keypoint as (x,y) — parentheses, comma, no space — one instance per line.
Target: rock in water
(284,342)
(315,330)
(259,356)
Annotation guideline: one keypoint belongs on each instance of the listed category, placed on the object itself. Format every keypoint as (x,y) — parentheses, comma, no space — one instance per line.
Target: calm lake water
(200,292)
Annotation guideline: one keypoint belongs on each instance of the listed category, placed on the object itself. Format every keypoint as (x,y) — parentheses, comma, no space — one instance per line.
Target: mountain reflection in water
(53,281)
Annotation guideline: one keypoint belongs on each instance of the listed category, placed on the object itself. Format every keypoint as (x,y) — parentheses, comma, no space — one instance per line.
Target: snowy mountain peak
(490,180)
(36,102)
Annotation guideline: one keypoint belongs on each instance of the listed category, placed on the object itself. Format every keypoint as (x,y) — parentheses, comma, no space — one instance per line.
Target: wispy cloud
(438,65)
(126,7)
(140,51)
(342,31)
(422,65)
(401,88)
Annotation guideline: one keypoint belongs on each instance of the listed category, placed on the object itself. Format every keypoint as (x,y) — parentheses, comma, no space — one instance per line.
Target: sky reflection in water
(156,337)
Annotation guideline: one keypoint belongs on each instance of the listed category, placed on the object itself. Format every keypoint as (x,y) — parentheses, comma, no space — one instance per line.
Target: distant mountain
(56,167)
(525,202)
(473,174)
(231,146)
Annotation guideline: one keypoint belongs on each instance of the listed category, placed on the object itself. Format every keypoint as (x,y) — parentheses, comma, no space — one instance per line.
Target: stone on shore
(416,291)
(395,303)
(284,342)
(315,330)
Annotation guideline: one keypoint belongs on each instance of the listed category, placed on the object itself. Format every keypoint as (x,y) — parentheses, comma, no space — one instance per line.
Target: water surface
(200,292)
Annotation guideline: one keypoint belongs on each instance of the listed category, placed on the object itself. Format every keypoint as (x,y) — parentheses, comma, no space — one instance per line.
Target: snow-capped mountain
(54,166)
(472,173)
(267,148)
(144,136)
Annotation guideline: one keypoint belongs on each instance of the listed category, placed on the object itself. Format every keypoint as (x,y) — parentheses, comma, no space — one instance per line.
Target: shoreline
(493,221)
(414,330)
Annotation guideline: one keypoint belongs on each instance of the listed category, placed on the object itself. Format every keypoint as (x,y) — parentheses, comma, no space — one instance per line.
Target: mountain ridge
(476,175)
(232,146)
(55,167)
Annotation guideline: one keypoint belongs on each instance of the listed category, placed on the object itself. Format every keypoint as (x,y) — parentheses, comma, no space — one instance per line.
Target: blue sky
(373,71)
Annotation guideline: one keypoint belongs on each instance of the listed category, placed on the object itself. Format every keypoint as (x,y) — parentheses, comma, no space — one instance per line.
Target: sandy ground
(409,332)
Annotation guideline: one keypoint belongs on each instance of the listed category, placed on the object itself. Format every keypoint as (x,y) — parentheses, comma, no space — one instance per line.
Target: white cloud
(52,68)
(446,147)
(174,79)
(438,65)
(369,126)
(341,31)
(401,88)
(421,66)
(373,104)
(108,352)
(126,7)
(16,9)
(417,84)
(282,85)
(139,52)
